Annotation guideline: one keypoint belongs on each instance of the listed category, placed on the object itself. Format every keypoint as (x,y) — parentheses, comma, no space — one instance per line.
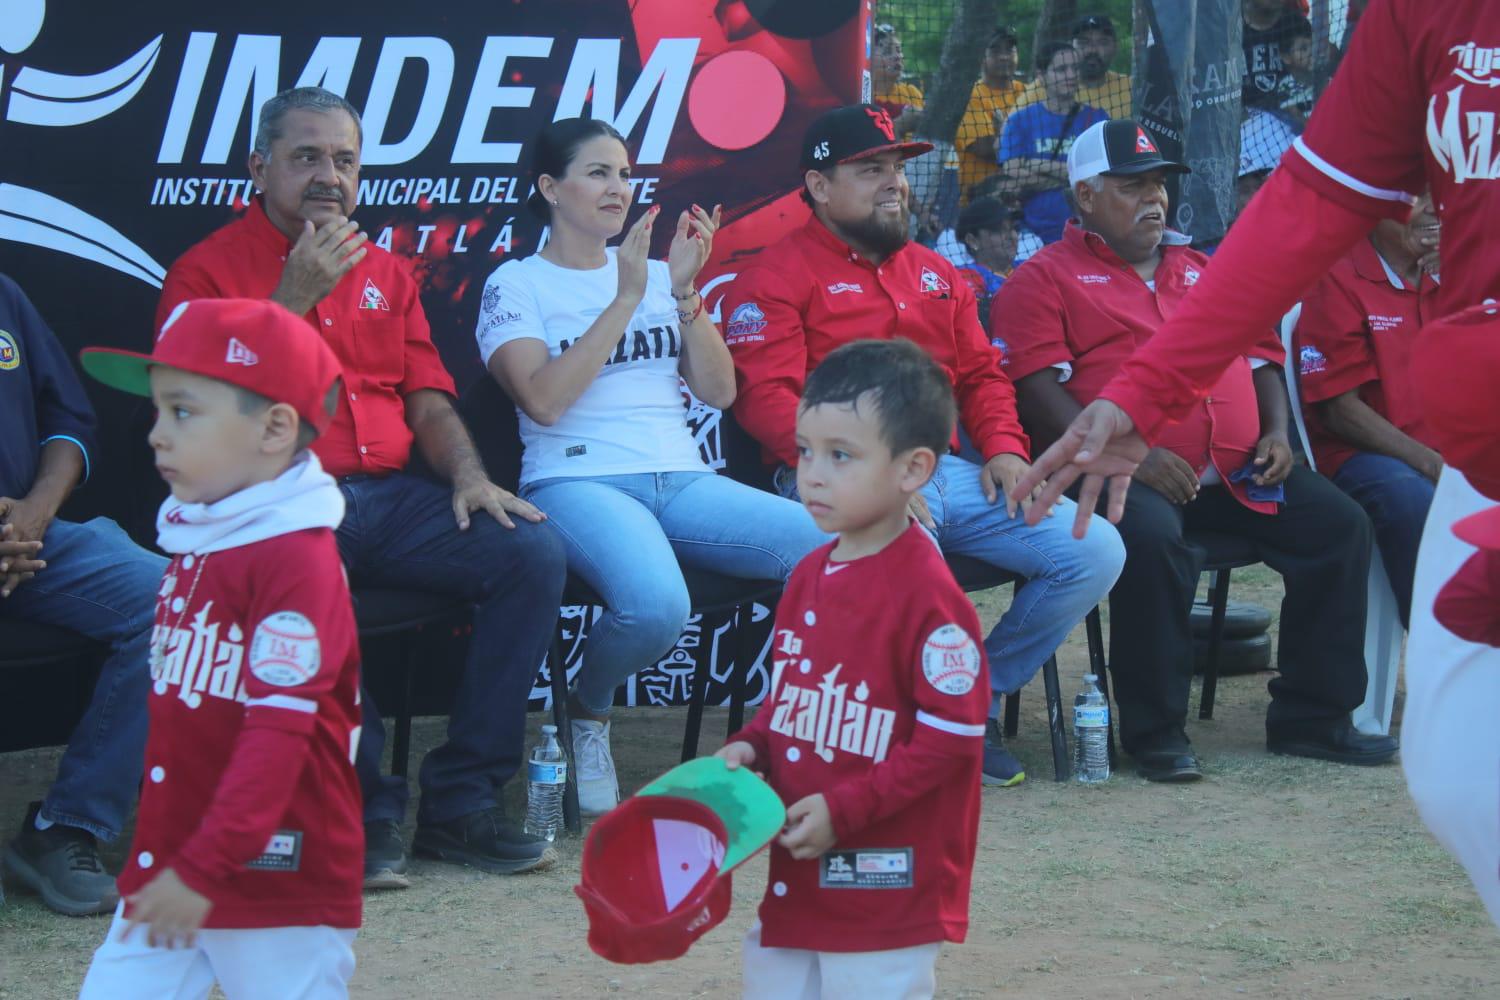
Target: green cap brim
(123,370)
(751,811)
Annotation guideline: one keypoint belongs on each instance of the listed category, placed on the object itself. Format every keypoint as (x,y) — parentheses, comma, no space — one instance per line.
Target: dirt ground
(1273,877)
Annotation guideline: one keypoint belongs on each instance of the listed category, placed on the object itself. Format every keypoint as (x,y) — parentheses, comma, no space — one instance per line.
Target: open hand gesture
(634,252)
(691,245)
(318,260)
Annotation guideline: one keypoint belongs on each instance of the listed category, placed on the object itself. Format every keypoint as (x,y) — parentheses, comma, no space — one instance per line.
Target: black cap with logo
(852,133)
(1117,147)
(1093,22)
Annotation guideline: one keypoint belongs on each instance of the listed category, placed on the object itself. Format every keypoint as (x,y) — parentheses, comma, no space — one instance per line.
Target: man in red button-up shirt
(1353,344)
(296,246)
(852,273)
(1071,316)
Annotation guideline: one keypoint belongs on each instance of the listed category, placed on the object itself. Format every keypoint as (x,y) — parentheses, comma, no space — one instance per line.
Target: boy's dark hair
(913,397)
(1048,52)
(252,402)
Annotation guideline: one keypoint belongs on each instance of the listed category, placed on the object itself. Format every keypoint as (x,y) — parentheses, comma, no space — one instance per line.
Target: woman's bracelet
(685,318)
(684,298)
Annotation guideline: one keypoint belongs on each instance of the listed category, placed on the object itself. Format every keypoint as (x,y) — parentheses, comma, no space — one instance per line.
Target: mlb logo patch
(371,298)
(1311,361)
(932,284)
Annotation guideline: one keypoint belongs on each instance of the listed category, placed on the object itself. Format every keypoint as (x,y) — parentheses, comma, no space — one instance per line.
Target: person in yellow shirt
(994,96)
(1098,85)
(901,100)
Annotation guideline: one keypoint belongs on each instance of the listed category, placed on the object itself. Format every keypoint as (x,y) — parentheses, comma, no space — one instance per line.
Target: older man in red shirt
(852,272)
(1354,342)
(1072,315)
(296,245)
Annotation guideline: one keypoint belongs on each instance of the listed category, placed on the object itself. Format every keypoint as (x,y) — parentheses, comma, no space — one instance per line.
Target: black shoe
(485,840)
(1172,761)
(385,856)
(1337,741)
(1001,768)
(61,864)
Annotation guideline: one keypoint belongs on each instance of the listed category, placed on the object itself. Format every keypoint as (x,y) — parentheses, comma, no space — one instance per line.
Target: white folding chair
(1384,635)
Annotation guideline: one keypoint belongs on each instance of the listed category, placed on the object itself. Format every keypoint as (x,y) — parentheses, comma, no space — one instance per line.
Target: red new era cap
(1456,368)
(252,343)
(653,879)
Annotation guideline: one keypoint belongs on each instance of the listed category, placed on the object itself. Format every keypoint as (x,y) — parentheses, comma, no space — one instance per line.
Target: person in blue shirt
(1033,151)
(90,578)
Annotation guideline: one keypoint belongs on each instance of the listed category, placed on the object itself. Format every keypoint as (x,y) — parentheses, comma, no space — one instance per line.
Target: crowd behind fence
(1001,89)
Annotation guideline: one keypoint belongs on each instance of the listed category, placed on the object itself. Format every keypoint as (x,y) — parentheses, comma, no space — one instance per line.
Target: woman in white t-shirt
(590,342)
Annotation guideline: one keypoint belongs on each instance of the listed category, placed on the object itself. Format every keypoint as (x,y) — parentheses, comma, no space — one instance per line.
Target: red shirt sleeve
(948,725)
(424,367)
(186,280)
(986,398)
(1363,145)
(301,638)
(763,327)
(1334,354)
(1028,315)
(1287,235)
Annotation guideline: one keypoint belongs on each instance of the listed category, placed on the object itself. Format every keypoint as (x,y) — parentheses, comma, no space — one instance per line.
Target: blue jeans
(1065,577)
(1396,498)
(399,531)
(627,536)
(101,584)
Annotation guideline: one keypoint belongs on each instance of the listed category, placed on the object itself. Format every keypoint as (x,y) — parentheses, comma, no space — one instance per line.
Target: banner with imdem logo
(125,129)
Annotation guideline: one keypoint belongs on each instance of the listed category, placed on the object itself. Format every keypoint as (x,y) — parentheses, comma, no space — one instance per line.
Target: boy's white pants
(275,963)
(798,974)
(1450,739)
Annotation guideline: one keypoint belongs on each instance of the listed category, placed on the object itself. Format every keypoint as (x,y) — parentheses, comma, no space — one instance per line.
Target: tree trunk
(1055,23)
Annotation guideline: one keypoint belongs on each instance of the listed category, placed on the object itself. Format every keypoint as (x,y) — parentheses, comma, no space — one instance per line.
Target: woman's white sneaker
(598,788)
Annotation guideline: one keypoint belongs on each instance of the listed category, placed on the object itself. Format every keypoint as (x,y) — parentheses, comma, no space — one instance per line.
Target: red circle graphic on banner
(736,100)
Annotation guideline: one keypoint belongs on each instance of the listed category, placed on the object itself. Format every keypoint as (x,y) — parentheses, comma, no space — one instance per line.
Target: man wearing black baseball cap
(1071,316)
(1099,86)
(851,272)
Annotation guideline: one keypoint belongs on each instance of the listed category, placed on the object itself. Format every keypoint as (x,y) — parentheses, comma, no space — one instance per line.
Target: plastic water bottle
(546,774)
(1091,733)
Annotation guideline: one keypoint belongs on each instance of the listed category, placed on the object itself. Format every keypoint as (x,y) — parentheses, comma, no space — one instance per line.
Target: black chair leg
(1215,634)
(401,739)
(1061,769)
(744,659)
(696,698)
(1099,667)
(557,672)
(1012,723)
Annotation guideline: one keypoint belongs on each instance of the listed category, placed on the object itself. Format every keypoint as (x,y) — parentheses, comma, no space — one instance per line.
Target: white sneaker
(598,788)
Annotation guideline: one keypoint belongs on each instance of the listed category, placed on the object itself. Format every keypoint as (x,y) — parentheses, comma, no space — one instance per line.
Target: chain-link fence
(1003,87)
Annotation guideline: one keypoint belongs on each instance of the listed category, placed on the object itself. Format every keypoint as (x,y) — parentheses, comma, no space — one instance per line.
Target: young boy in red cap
(873,730)
(247,859)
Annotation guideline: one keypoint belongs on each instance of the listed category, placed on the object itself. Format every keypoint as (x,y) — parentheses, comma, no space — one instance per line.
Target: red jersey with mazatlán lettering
(1076,306)
(372,319)
(879,692)
(1415,103)
(250,793)
(1357,331)
(811,292)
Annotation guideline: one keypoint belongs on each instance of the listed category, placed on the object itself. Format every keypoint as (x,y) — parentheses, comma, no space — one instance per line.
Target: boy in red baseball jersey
(873,731)
(248,853)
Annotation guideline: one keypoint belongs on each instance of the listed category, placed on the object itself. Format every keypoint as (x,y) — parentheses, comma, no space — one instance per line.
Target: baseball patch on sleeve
(284,652)
(950,660)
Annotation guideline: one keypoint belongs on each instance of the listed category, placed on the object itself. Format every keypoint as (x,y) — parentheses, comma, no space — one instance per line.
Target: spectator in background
(1267,33)
(1263,138)
(987,233)
(901,100)
(1353,343)
(89,578)
(1295,91)
(1098,85)
(1033,152)
(993,97)
(1072,315)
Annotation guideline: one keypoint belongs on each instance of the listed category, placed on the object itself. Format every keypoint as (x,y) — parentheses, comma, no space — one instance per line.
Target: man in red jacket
(851,272)
(1071,315)
(1413,105)
(297,247)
